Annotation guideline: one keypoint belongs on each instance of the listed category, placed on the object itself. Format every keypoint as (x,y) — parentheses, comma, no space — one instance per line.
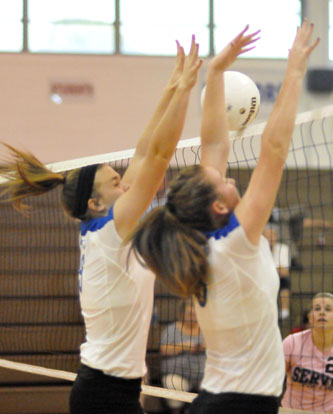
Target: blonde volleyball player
(207,242)
(116,300)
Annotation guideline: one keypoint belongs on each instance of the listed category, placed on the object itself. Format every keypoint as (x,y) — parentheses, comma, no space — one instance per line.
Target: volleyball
(242,99)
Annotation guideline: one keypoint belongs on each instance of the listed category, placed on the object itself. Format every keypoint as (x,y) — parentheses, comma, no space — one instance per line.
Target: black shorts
(284,283)
(94,392)
(234,403)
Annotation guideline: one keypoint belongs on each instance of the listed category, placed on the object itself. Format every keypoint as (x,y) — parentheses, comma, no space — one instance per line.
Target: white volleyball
(242,99)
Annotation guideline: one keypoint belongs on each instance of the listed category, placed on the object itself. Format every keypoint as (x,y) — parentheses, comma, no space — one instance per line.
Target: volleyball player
(207,242)
(309,360)
(116,300)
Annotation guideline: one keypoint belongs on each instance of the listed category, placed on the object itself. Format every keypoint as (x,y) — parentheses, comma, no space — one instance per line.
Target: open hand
(301,48)
(192,65)
(179,67)
(239,45)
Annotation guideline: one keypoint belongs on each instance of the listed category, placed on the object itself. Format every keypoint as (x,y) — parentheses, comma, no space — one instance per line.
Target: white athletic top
(281,255)
(239,320)
(116,304)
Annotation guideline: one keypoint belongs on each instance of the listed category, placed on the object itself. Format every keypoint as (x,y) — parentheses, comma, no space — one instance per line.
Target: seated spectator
(280,252)
(183,355)
(309,360)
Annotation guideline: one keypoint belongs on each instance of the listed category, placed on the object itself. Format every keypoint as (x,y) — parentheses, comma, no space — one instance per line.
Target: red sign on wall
(66,91)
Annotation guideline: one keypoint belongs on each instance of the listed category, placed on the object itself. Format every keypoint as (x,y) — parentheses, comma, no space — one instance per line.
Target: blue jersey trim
(232,224)
(96,223)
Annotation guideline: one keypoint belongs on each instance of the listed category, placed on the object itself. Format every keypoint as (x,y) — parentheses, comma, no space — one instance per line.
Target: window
(147,27)
(330,31)
(151,27)
(71,26)
(277,20)
(11,25)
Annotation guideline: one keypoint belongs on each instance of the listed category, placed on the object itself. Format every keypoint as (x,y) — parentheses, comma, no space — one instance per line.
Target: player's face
(321,315)
(225,188)
(108,186)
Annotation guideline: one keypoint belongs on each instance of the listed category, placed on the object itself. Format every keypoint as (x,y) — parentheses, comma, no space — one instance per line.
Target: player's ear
(95,205)
(218,207)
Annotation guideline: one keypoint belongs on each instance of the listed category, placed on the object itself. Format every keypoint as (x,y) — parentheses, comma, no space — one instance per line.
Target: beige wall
(125,93)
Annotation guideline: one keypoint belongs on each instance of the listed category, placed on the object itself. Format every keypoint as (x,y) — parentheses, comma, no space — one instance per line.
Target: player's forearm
(175,349)
(214,129)
(141,148)
(144,141)
(280,126)
(168,131)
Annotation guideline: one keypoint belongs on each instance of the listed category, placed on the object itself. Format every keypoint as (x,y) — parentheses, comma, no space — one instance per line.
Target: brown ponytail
(173,251)
(170,239)
(26,176)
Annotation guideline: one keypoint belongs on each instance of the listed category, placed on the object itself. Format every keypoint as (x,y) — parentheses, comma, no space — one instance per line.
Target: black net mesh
(40,317)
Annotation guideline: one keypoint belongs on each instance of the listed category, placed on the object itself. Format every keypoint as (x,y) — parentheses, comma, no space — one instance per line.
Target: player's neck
(322,338)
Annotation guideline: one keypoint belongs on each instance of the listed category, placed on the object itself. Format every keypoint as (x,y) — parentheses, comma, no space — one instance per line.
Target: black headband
(84,189)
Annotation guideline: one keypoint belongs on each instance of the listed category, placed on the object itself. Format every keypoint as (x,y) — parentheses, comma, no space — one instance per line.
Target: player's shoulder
(96,224)
(298,337)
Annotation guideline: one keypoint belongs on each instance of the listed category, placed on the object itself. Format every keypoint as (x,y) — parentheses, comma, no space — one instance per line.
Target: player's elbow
(274,152)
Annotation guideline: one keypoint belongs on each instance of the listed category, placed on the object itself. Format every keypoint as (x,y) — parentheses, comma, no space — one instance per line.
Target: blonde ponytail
(26,176)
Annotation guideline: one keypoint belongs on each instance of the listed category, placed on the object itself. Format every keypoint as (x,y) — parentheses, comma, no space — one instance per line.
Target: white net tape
(252,130)
(146,389)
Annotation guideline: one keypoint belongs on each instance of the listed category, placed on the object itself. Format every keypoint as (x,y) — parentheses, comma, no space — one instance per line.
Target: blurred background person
(292,221)
(183,355)
(281,256)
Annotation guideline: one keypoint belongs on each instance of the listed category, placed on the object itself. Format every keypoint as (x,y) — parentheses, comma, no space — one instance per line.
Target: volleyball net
(41,323)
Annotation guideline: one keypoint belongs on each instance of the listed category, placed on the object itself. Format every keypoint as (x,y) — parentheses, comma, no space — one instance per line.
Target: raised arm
(130,206)
(214,128)
(143,143)
(255,207)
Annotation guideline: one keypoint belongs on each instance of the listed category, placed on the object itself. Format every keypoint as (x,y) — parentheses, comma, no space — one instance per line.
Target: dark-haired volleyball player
(207,242)
(116,300)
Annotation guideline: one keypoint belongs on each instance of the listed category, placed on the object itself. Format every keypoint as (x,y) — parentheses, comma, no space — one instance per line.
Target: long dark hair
(170,240)
(27,176)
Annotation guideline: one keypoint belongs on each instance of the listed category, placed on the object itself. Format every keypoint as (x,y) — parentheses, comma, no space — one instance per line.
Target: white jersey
(116,302)
(281,255)
(239,320)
